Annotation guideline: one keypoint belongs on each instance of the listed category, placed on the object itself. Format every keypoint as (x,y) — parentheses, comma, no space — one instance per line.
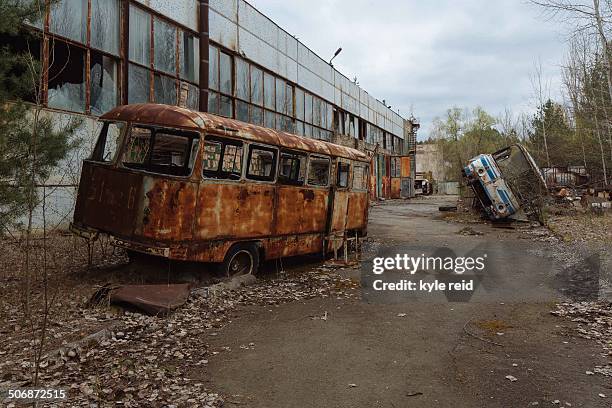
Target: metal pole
(204,40)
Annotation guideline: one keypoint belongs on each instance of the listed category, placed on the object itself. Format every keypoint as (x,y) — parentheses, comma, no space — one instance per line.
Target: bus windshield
(163,151)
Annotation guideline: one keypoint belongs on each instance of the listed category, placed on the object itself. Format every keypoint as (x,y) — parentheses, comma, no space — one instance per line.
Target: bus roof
(177,117)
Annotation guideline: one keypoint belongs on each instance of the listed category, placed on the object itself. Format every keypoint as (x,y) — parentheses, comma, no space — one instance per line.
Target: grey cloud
(430,56)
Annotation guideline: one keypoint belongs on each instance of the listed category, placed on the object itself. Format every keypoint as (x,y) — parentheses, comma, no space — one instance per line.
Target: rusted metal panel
(152,299)
(357,212)
(340,211)
(108,199)
(177,117)
(405,163)
(168,209)
(238,210)
(396,187)
(279,247)
(300,210)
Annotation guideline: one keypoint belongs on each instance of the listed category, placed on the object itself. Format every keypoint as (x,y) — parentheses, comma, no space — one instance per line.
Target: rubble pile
(594,321)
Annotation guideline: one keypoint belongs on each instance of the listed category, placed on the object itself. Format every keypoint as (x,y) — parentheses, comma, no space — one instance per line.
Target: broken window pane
(225,73)
(103,88)
(66,77)
(292,169)
(269,91)
(318,171)
(190,56)
(330,116)
(323,114)
(360,178)
(213,68)
(140,36)
(165,46)
(242,79)
(69,19)
(138,84)
(105,25)
(212,155)
(232,159)
(164,89)
(299,104)
(262,162)
(137,146)
(231,164)
(108,141)
(256,115)
(343,175)
(169,150)
(225,107)
(242,111)
(256,86)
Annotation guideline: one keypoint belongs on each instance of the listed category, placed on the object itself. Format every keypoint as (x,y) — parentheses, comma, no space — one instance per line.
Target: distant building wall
(429,159)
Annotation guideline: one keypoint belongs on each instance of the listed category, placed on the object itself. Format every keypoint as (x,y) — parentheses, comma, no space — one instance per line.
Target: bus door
(338,207)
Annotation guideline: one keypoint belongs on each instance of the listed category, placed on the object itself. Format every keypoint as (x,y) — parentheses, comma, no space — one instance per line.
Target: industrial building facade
(223,57)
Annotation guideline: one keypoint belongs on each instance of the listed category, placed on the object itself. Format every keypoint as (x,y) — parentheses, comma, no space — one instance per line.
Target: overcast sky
(426,56)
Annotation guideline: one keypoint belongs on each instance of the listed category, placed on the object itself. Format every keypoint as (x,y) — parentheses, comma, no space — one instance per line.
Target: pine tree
(31,144)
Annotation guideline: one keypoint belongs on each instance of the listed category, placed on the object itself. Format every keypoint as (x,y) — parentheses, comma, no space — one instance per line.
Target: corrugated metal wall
(238,26)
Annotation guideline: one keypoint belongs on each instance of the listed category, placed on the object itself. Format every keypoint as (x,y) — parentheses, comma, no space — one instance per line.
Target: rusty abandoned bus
(192,186)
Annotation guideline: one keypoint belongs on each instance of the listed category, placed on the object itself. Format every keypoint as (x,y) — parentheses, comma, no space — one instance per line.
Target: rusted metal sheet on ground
(154,300)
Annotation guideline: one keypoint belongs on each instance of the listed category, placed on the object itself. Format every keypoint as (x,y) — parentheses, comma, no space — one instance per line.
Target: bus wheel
(242,259)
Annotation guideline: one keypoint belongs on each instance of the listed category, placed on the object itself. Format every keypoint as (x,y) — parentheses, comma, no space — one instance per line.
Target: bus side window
(360,178)
(222,159)
(292,169)
(318,171)
(343,175)
(262,163)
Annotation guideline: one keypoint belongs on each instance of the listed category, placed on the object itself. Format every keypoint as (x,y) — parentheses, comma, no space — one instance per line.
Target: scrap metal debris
(154,300)
(594,321)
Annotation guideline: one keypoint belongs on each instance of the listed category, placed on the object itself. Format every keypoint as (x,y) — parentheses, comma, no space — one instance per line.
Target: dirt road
(416,354)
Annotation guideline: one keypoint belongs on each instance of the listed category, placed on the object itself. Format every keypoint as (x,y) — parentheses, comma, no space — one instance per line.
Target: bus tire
(241,259)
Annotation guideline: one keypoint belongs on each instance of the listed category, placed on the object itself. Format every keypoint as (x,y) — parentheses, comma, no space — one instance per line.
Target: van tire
(241,259)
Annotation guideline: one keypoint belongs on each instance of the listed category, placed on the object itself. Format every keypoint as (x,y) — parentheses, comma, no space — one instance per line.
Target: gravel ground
(105,356)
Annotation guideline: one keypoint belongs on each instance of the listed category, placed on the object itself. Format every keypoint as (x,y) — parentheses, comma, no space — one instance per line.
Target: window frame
(348,175)
(99,147)
(287,180)
(329,162)
(226,174)
(170,131)
(366,172)
(264,179)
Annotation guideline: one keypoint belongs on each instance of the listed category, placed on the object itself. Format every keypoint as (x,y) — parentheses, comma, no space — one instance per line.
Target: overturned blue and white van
(508,183)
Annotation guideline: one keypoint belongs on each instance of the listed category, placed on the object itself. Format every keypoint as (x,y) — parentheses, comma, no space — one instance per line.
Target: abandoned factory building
(222,56)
